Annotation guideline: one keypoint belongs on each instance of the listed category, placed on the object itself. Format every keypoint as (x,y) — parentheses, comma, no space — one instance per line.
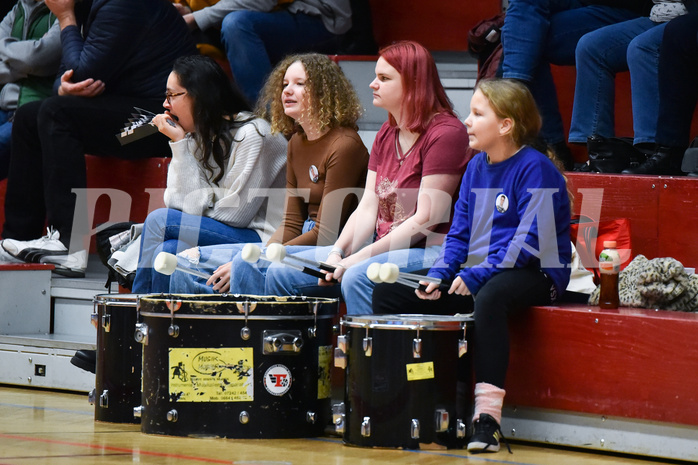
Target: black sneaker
(486,435)
(85,359)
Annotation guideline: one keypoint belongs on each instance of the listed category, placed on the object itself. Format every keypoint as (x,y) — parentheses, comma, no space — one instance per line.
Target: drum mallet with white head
(276,253)
(390,273)
(166,263)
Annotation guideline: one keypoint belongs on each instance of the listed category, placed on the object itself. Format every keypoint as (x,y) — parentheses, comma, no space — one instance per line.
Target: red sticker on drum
(277,380)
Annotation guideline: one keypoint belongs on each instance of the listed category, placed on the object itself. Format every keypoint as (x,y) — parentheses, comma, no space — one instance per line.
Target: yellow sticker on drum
(224,374)
(324,387)
(417,371)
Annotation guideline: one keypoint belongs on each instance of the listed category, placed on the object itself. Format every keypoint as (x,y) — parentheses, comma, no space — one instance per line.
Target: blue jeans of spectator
(172,231)
(245,278)
(538,33)
(631,45)
(356,288)
(5,141)
(255,41)
(678,74)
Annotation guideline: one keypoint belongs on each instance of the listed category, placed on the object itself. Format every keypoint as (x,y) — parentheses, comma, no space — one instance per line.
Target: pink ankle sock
(489,399)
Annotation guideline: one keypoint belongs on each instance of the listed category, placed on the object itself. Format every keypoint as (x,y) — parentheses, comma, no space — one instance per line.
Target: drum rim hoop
(408,322)
(152,298)
(251,316)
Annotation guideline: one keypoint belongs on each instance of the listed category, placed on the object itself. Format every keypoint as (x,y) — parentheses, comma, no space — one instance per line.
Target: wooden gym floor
(41,427)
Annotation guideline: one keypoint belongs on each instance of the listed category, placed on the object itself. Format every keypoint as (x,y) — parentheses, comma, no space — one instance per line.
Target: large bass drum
(407,380)
(236,366)
(118,371)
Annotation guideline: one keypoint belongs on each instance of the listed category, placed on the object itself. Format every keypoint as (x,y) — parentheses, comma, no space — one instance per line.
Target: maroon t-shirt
(441,149)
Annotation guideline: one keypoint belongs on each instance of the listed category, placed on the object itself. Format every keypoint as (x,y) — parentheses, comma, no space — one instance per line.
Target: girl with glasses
(222,157)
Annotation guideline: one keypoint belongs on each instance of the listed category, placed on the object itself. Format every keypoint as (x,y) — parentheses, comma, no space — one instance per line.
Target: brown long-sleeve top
(314,169)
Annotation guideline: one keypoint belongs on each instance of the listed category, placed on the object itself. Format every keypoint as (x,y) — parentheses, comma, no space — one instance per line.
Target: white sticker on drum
(277,380)
(223,374)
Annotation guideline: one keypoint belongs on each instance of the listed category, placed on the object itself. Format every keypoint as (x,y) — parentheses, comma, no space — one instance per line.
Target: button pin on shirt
(314,173)
(502,203)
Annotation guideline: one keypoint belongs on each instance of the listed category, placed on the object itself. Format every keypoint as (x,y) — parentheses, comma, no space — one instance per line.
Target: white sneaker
(24,250)
(71,265)
(6,257)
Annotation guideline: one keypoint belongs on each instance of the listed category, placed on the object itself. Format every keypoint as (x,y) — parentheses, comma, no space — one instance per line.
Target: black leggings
(504,294)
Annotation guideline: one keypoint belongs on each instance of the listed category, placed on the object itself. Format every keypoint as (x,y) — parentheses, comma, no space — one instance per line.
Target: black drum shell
(377,386)
(214,322)
(118,370)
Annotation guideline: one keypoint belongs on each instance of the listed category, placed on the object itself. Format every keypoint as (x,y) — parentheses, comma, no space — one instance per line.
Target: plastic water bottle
(609,266)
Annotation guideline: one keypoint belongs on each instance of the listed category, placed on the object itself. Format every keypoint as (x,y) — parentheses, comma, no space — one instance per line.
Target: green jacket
(30,53)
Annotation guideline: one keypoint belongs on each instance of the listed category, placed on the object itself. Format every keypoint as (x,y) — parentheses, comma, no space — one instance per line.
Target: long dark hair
(215,102)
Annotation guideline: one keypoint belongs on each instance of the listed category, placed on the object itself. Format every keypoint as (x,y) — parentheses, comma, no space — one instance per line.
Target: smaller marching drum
(235,366)
(118,373)
(407,380)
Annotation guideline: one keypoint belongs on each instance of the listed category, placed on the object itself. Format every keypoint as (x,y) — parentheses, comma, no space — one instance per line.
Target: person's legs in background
(25,212)
(678,73)
(643,62)
(678,95)
(47,167)
(601,54)
(5,142)
(73,126)
(254,41)
(525,35)
(552,30)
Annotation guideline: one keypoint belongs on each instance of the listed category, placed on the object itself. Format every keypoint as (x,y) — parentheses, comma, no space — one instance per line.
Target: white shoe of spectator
(26,250)
(71,265)
(6,257)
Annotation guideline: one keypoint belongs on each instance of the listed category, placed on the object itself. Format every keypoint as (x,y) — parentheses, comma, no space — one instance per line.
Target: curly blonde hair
(332,99)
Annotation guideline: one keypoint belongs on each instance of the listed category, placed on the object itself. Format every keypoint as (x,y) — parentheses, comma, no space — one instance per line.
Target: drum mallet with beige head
(276,253)
(390,273)
(166,263)
(373,273)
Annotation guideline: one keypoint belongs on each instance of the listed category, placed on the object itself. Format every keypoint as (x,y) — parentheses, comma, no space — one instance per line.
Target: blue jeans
(255,41)
(538,33)
(678,74)
(356,288)
(245,278)
(603,53)
(5,142)
(170,230)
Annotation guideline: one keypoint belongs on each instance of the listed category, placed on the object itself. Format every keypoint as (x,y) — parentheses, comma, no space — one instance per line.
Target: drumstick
(166,263)
(373,273)
(390,273)
(277,253)
(252,252)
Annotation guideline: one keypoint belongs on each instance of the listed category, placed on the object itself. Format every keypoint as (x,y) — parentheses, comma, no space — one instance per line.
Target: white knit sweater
(257,163)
